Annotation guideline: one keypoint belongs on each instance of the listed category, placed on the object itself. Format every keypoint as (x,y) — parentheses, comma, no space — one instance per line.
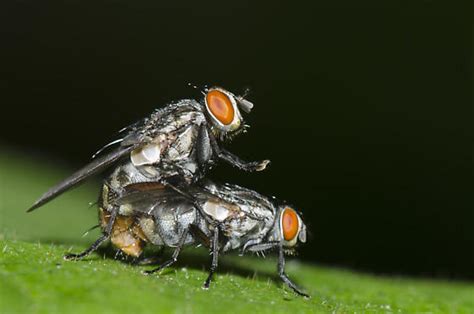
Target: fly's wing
(149,197)
(97,165)
(138,135)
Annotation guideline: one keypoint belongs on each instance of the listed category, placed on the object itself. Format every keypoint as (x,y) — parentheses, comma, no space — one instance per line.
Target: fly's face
(222,108)
(290,227)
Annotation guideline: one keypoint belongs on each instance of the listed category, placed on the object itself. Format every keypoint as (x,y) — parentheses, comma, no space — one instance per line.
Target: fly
(237,219)
(174,146)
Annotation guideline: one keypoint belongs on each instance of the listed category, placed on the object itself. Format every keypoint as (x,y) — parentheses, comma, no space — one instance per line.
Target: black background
(365,109)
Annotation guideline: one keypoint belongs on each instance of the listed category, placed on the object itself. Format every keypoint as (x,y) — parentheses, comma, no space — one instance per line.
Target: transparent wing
(148,197)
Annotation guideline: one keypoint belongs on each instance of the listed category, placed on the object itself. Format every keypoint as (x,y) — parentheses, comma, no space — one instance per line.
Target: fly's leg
(257,246)
(235,160)
(203,146)
(174,257)
(98,242)
(215,255)
(284,277)
(243,165)
(199,235)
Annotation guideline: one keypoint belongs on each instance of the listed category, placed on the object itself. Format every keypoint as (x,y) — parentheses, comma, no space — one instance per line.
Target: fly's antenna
(244,104)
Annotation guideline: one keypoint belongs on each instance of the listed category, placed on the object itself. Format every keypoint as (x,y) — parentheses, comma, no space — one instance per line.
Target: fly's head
(289,228)
(222,112)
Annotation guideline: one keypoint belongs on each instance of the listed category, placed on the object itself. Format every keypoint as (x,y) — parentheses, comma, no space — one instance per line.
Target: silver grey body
(173,129)
(176,139)
(229,217)
(175,143)
(243,215)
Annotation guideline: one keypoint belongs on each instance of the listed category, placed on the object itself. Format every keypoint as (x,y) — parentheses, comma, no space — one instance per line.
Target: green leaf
(35,279)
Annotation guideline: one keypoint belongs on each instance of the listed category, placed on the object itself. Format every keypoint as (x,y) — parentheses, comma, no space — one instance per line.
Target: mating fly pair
(154,193)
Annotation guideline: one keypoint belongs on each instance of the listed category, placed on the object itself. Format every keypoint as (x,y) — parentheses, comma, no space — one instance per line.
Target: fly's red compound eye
(289,223)
(220,105)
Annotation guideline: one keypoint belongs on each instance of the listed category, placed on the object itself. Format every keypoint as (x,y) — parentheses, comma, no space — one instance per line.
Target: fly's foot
(147,272)
(262,165)
(292,286)
(301,293)
(206,285)
(255,165)
(155,270)
(72,257)
(152,271)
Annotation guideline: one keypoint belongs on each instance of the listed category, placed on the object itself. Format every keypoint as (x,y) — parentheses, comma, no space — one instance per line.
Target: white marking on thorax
(146,155)
(216,210)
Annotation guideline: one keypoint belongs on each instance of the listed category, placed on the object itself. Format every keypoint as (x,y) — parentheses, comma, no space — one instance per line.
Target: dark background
(364,108)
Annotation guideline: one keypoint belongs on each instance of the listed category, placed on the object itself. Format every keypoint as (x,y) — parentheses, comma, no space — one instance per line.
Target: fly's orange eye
(220,106)
(290,224)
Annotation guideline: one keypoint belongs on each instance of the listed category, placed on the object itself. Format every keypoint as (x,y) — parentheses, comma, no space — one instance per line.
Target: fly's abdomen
(127,234)
(168,223)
